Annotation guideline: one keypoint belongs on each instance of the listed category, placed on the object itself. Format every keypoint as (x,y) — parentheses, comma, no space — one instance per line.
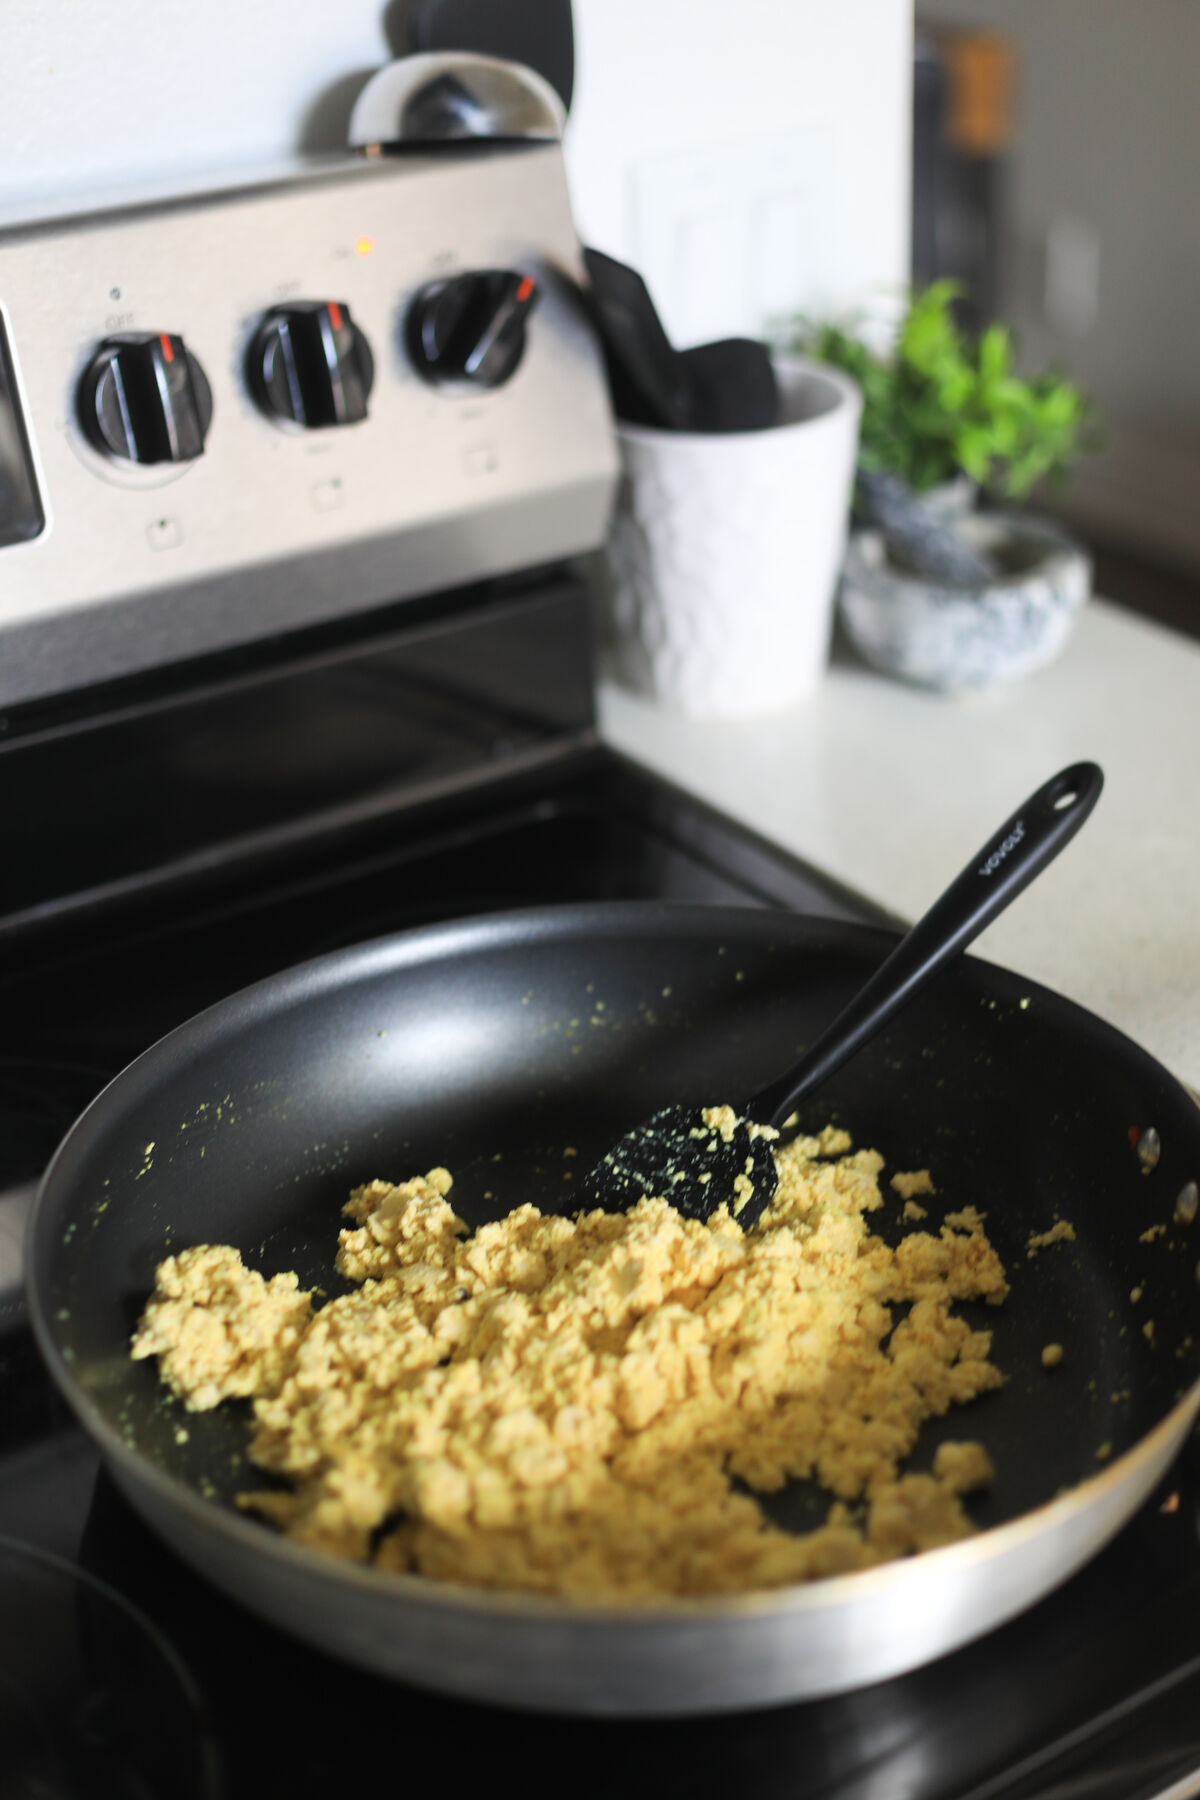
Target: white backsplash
(751,159)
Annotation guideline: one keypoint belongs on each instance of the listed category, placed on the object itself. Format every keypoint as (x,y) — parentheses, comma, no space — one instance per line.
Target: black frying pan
(490,1045)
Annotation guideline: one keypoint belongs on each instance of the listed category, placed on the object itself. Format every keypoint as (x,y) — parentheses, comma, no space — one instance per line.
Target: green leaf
(974,446)
(941,402)
(995,353)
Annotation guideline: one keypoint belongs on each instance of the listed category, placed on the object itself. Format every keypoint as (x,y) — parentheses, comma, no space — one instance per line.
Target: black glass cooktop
(1096,1691)
(83,997)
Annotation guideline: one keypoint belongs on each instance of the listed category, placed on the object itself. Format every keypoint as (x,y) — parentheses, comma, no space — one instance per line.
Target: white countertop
(891,790)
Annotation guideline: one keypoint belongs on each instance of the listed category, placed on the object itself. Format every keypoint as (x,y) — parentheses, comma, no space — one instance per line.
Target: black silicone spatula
(646,374)
(725,386)
(731,386)
(701,1158)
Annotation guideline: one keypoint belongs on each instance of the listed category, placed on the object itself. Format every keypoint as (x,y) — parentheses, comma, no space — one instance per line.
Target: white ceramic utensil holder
(725,552)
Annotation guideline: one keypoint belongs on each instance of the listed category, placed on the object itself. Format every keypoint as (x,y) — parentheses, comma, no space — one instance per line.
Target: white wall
(1109,145)
(108,92)
(752,158)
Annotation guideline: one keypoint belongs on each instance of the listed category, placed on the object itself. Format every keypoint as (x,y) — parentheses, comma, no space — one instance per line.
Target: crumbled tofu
(966,1219)
(1062,1232)
(724,1121)
(219,1330)
(579,1406)
(916,1181)
(963,1467)
(914,1212)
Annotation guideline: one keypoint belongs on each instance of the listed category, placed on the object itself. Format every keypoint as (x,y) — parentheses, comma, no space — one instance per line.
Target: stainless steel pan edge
(687,1657)
(675,1658)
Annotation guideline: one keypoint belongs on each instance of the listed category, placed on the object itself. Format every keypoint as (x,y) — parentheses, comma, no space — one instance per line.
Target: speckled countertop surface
(890,790)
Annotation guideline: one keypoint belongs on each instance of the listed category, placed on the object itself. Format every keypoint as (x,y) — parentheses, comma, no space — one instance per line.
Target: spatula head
(696,1157)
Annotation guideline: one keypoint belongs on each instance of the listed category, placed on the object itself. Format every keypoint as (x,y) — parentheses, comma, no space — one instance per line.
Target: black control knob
(471,327)
(311,365)
(145,399)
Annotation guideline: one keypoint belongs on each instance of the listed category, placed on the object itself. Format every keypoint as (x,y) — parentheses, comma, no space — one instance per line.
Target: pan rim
(394,951)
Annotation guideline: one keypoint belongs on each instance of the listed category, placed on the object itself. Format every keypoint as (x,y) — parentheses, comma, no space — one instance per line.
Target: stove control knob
(310,365)
(145,399)
(471,327)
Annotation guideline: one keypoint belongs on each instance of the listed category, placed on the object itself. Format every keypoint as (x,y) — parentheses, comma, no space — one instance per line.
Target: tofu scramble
(587,1407)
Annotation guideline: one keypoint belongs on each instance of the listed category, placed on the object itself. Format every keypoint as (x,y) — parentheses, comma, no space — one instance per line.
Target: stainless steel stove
(298,487)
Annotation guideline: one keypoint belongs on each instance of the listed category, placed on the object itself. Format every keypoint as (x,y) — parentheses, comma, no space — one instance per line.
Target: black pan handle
(1005,866)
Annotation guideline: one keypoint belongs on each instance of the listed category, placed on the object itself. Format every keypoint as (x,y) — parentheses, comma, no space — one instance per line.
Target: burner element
(94,1703)
(39,1102)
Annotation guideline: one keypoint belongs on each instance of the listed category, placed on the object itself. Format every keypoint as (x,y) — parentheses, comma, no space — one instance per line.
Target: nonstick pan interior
(492,1046)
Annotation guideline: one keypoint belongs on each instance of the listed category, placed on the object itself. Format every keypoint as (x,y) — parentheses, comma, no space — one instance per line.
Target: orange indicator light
(363,246)
(525,289)
(335,315)
(168,353)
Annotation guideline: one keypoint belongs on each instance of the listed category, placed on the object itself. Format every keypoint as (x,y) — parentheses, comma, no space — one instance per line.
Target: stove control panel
(232,415)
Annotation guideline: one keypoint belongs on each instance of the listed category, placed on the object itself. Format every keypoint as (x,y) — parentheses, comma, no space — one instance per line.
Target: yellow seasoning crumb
(588,1406)
(1154,1231)
(1052,1355)
(1060,1232)
(1135,1294)
(1104,1452)
(914,1212)
(1148,1331)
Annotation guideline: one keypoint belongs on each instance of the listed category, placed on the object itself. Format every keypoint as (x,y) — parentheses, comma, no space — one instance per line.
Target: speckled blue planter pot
(958,639)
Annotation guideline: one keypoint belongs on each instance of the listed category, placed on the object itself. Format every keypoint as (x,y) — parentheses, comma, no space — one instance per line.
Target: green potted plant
(952,602)
(943,405)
